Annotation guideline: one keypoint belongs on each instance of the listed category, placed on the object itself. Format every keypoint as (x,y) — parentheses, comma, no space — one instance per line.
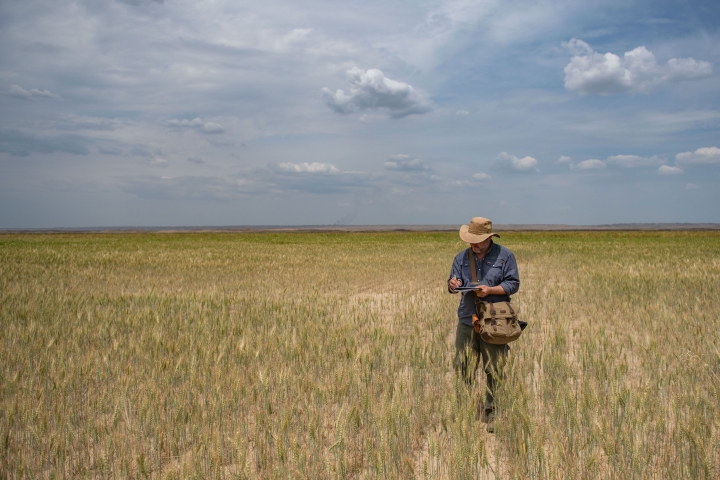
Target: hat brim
(468,237)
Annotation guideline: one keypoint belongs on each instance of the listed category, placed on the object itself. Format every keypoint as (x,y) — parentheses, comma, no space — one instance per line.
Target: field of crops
(328,355)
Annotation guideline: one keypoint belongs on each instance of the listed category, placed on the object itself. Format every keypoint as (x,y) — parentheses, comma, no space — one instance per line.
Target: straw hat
(479,230)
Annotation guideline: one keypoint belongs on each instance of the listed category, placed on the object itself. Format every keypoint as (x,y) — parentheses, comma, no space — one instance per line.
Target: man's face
(482,247)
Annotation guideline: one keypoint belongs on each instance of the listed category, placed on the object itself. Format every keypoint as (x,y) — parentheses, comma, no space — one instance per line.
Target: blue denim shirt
(498,267)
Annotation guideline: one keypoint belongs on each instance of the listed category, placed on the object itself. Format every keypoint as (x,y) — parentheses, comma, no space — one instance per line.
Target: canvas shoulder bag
(497,322)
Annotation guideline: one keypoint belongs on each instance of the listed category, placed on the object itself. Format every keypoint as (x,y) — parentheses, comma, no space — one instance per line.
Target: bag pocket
(498,324)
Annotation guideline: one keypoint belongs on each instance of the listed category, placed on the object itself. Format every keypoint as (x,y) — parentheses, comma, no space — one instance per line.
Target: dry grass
(289,355)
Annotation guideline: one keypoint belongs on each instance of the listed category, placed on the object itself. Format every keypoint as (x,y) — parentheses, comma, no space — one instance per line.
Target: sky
(281,112)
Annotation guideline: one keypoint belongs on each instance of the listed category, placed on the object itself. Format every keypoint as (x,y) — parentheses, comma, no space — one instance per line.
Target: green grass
(328,355)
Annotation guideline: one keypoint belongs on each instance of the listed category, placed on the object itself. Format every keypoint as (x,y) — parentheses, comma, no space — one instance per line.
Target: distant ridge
(375,228)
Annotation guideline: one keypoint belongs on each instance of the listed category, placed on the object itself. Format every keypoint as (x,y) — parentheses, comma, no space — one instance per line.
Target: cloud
(156,162)
(19,92)
(564,159)
(701,156)
(197,124)
(462,112)
(186,187)
(371,89)
(481,176)
(637,71)
(305,167)
(512,163)
(21,144)
(667,170)
(592,164)
(76,123)
(142,151)
(110,150)
(692,186)
(630,161)
(315,177)
(403,163)
(197,160)
(136,3)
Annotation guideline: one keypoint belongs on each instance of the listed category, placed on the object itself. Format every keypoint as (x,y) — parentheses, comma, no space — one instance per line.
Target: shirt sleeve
(511,276)
(456,270)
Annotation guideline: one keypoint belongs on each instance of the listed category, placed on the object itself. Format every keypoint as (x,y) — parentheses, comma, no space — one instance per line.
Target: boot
(489,420)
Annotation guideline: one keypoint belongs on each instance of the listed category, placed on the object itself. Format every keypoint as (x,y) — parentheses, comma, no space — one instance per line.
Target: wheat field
(328,355)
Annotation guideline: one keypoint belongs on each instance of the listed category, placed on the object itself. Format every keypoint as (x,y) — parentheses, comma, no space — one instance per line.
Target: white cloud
(315,177)
(371,89)
(629,161)
(514,164)
(295,37)
(701,156)
(462,112)
(305,167)
(403,163)
(564,159)
(481,176)
(692,186)
(157,162)
(197,124)
(667,170)
(636,72)
(592,164)
(19,92)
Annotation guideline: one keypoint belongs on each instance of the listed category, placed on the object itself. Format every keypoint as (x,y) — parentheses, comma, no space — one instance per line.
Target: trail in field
(423,455)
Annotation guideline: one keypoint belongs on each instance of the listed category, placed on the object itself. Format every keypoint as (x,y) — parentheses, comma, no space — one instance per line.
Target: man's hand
(483,291)
(453,284)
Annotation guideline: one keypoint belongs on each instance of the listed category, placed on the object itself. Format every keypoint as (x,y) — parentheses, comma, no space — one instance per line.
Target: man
(498,278)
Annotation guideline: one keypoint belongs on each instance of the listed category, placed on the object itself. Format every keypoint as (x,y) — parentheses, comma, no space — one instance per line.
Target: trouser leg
(469,349)
(493,357)
(466,353)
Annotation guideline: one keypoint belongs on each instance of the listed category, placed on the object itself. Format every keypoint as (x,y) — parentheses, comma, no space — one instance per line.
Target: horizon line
(647,226)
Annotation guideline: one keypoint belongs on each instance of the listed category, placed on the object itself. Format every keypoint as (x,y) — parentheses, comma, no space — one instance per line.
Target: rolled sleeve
(511,276)
(455,271)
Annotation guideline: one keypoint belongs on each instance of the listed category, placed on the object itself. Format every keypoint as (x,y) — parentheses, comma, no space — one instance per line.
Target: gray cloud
(136,3)
(371,89)
(184,187)
(19,92)
(636,72)
(22,144)
(197,124)
(156,162)
(403,163)
(196,160)
(143,151)
(314,178)
(110,150)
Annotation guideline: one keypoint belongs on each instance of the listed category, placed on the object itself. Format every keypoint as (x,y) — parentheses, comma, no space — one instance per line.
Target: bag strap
(473,267)
(473,272)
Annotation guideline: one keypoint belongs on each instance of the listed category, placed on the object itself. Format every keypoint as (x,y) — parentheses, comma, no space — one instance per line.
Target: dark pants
(469,350)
